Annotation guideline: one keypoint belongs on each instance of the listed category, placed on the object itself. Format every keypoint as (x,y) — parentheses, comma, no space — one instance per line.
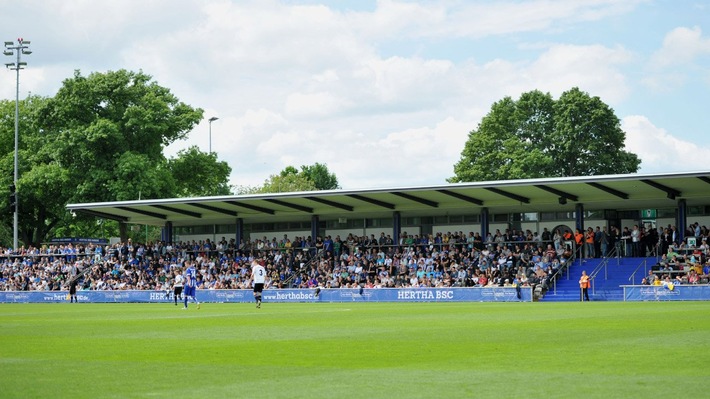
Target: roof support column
(396,227)
(314,227)
(239,232)
(485,223)
(579,216)
(681,219)
(166,234)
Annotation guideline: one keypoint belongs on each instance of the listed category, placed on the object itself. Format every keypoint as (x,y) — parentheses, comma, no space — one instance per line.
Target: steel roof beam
(215,209)
(558,193)
(420,200)
(610,190)
(178,210)
(289,205)
(372,201)
(671,193)
(516,197)
(462,197)
(252,207)
(332,203)
(142,212)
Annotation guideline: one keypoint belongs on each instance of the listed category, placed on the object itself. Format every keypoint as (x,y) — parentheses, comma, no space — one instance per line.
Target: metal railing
(317,258)
(632,278)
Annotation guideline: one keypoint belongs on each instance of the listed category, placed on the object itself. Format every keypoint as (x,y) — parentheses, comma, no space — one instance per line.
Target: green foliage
(536,136)
(100,138)
(283,183)
(197,173)
(116,124)
(355,350)
(310,178)
(320,175)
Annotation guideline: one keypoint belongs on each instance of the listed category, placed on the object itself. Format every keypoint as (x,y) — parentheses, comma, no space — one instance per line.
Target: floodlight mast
(16,49)
(212,119)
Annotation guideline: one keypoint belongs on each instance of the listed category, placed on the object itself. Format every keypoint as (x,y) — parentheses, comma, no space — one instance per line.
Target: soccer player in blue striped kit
(190,285)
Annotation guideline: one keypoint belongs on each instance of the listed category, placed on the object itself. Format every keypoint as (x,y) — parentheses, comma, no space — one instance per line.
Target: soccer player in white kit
(258,277)
(177,287)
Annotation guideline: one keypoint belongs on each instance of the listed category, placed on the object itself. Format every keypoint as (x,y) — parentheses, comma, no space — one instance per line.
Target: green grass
(355,350)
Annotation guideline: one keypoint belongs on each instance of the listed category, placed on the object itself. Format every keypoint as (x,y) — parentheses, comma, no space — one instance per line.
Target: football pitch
(355,350)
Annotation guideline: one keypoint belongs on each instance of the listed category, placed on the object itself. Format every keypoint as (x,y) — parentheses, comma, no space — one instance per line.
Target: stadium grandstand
(537,233)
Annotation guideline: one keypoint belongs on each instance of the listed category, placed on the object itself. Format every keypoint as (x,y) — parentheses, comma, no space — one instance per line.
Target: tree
(42,184)
(588,139)
(536,136)
(197,173)
(320,175)
(310,178)
(288,180)
(100,138)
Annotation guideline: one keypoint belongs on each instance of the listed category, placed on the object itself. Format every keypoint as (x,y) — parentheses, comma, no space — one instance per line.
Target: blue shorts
(189,291)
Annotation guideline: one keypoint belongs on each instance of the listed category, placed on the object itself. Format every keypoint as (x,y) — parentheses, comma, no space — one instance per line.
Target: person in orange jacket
(584,284)
(579,240)
(589,243)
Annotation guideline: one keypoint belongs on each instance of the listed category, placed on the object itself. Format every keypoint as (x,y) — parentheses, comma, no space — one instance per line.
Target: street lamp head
(7,44)
(212,119)
(7,52)
(27,52)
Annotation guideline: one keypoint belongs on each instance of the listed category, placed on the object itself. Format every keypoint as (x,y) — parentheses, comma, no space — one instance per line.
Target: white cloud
(369,93)
(593,68)
(659,150)
(482,19)
(681,46)
(319,104)
(680,60)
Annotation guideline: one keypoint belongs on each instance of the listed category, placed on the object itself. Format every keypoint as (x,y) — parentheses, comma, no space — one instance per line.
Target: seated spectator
(693,277)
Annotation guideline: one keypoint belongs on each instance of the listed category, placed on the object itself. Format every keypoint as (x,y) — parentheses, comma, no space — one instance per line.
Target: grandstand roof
(618,192)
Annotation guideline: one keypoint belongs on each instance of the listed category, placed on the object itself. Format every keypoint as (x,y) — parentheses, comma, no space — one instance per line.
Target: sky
(384,92)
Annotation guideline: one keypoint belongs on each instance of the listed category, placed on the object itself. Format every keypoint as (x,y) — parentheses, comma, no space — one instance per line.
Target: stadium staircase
(608,274)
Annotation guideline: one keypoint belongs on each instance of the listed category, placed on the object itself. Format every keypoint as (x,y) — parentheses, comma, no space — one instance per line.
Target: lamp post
(22,47)
(212,119)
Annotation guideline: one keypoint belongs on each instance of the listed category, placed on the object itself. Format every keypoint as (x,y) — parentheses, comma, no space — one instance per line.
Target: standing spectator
(604,242)
(579,240)
(584,286)
(589,243)
(635,241)
(598,243)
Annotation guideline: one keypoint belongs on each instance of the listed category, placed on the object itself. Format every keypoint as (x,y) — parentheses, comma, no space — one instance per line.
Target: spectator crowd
(510,258)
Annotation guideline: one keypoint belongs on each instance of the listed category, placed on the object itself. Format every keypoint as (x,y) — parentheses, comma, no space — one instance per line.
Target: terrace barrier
(494,294)
(664,293)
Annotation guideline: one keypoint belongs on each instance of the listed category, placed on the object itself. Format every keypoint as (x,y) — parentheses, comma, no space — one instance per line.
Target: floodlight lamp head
(28,52)
(8,52)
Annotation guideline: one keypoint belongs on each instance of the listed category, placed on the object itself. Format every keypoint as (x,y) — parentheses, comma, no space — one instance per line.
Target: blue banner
(497,294)
(661,293)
